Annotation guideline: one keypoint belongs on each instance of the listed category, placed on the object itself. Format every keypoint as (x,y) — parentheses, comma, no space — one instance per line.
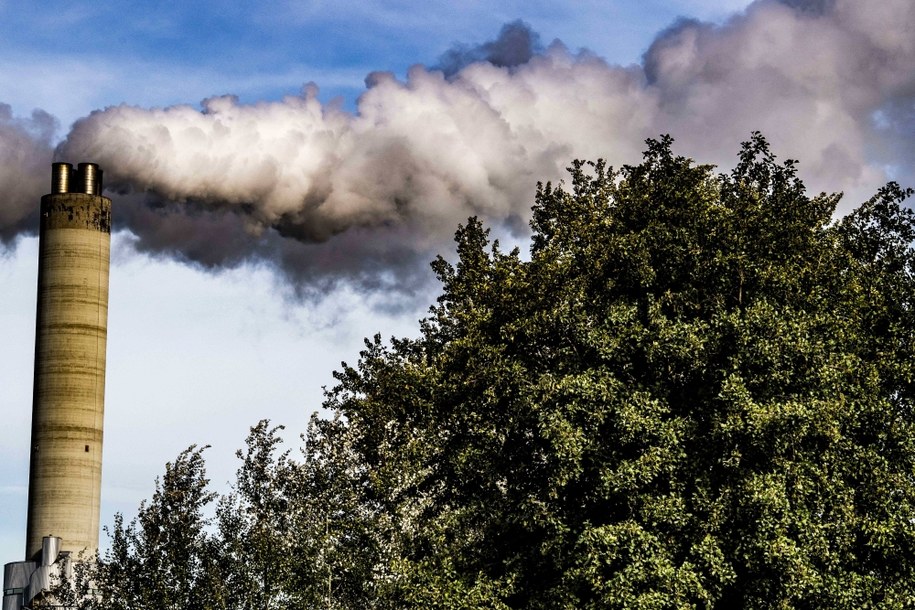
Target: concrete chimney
(65,471)
(68,401)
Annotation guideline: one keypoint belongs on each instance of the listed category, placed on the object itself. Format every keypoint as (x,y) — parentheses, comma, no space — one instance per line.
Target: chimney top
(87,178)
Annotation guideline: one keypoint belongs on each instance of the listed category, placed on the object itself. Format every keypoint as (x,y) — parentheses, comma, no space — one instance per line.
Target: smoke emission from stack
(368,197)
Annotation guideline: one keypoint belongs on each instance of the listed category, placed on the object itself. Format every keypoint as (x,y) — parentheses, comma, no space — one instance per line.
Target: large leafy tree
(697,392)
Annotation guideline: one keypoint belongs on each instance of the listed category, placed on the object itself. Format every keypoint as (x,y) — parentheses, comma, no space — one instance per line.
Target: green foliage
(696,393)
(257,552)
(164,558)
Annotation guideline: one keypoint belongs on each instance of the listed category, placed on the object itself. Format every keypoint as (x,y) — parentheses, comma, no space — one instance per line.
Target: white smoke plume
(368,197)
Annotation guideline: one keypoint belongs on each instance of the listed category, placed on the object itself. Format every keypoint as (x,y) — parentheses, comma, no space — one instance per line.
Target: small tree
(260,548)
(164,558)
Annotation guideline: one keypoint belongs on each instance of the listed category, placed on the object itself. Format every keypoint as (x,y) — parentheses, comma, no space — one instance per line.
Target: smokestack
(65,473)
(69,393)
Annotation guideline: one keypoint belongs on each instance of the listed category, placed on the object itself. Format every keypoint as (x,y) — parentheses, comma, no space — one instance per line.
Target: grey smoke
(215,238)
(516,44)
(368,197)
(814,7)
(25,156)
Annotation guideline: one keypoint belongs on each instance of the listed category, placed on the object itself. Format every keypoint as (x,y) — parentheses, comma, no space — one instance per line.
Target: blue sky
(198,354)
(69,59)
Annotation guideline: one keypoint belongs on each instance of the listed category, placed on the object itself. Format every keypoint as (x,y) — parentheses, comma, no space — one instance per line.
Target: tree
(697,392)
(165,558)
(298,534)
(258,546)
(347,563)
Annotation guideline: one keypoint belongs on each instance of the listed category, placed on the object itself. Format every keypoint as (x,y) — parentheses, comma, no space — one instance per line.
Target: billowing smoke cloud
(25,155)
(368,197)
(818,77)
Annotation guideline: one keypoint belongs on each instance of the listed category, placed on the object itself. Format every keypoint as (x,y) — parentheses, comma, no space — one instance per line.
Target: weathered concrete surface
(69,393)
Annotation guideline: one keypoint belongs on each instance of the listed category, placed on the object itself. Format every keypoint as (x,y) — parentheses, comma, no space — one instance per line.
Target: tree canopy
(696,392)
